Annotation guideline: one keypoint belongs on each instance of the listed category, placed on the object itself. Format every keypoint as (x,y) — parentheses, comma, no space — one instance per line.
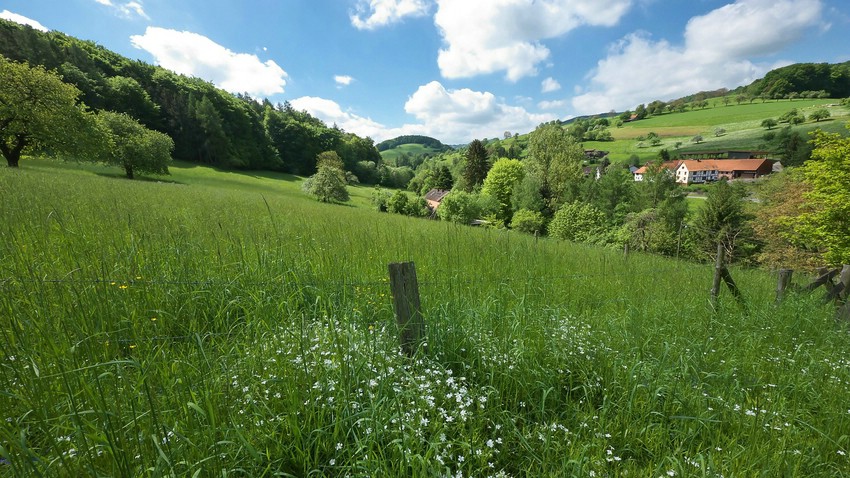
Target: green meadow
(741,122)
(225,324)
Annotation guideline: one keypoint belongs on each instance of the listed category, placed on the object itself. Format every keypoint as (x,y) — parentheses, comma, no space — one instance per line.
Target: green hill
(225,323)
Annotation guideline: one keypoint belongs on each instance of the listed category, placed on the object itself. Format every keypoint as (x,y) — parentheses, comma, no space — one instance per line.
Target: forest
(208,125)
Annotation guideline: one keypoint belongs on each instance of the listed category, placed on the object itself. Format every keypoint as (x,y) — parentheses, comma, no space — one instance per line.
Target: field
(224,324)
(741,122)
(391,155)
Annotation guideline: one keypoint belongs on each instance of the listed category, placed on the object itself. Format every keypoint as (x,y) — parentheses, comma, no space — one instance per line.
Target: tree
(828,176)
(783,200)
(579,222)
(398,203)
(819,114)
(328,184)
(500,183)
(697,139)
(719,131)
(723,219)
(460,207)
(530,222)
(134,147)
(477,165)
(555,159)
(769,123)
(38,112)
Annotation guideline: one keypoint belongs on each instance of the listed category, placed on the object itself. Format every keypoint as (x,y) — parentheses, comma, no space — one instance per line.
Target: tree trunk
(129,170)
(13,153)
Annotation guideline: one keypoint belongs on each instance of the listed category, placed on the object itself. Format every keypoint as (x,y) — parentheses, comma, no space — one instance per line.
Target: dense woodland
(207,124)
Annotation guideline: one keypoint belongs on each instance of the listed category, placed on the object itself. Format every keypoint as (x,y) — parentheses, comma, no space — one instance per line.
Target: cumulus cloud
(552,105)
(343,80)
(371,14)
(453,116)
(487,36)
(126,9)
(549,85)
(192,54)
(721,49)
(14,17)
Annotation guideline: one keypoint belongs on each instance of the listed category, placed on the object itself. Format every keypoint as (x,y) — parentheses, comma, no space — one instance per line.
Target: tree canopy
(38,112)
(134,147)
(828,176)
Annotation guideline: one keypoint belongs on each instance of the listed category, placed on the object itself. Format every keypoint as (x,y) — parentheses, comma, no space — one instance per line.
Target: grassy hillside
(225,324)
(391,155)
(741,122)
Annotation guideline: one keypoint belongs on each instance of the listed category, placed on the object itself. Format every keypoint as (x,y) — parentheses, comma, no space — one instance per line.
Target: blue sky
(457,69)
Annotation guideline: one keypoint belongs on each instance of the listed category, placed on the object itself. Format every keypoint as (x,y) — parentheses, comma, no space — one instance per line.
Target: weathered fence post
(719,266)
(408,312)
(626,250)
(783,283)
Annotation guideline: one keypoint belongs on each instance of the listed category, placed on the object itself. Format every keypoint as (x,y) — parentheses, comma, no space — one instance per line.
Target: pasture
(226,324)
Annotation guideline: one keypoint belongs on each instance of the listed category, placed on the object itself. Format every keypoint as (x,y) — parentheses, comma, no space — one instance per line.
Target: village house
(669,166)
(697,171)
(434,197)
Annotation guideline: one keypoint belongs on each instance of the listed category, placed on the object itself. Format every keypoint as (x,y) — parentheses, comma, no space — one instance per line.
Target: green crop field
(224,324)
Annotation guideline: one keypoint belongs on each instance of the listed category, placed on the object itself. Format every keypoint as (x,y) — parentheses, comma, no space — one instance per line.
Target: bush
(579,222)
(529,222)
(460,207)
(398,203)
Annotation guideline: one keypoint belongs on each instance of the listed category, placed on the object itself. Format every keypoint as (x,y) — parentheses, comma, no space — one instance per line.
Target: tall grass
(195,329)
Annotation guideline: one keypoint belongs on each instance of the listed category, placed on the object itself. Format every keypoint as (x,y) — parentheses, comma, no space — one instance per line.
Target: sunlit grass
(227,324)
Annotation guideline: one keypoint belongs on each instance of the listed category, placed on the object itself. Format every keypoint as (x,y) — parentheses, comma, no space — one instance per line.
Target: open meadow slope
(741,125)
(226,324)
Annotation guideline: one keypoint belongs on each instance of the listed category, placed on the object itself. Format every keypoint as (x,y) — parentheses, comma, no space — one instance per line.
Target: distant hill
(425,141)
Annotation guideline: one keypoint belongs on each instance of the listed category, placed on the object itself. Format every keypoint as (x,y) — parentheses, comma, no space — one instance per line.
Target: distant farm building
(669,166)
(725,155)
(703,171)
(434,197)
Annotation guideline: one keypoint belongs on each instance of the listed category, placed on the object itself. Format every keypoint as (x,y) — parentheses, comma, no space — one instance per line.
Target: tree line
(206,124)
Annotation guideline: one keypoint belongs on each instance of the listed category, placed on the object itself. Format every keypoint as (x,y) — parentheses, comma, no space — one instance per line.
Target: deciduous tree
(38,112)
(503,178)
(134,147)
(555,159)
(828,176)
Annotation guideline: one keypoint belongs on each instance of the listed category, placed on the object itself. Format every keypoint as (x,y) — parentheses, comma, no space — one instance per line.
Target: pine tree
(477,165)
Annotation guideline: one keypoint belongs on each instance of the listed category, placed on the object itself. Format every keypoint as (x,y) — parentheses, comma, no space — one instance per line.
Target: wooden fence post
(783,283)
(719,266)
(408,312)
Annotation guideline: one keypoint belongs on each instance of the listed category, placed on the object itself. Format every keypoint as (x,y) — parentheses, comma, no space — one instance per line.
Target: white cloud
(552,105)
(549,85)
(196,55)
(385,12)
(14,17)
(126,9)
(452,116)
(722,49)
(343,80)
(486,36)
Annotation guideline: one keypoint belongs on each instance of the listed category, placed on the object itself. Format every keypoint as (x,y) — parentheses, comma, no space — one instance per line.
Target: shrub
(579,222)
(529,222)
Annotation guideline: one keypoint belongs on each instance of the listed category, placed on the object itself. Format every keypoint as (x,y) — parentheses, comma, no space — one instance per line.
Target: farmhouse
(698,171)
(434,197)
(669,166)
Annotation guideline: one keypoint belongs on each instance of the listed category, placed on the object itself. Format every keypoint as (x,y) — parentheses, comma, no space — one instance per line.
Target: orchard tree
(40,113)
(769,123)
(134,147)
(819,114)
